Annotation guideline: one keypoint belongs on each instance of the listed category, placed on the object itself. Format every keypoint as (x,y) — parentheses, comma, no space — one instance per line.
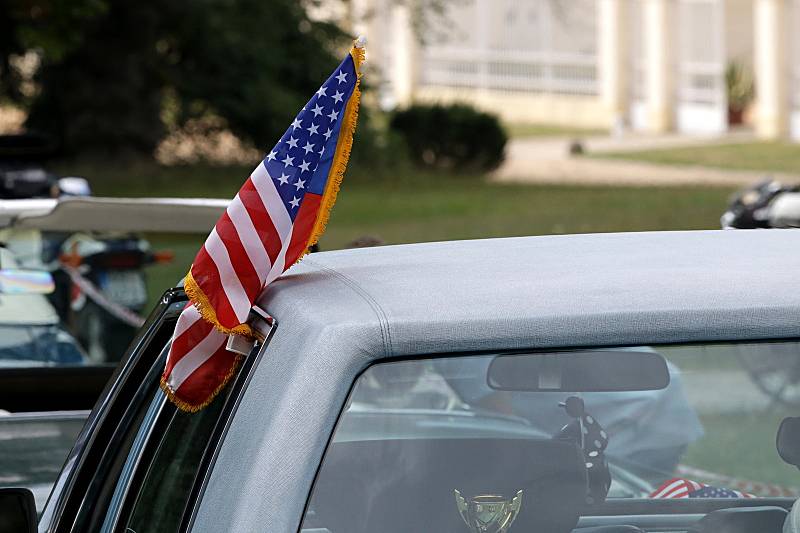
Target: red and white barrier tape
(120,312)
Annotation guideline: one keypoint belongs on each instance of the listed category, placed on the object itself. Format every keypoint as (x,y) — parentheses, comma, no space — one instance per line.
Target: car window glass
(162,466)
(163,494)
(429,445)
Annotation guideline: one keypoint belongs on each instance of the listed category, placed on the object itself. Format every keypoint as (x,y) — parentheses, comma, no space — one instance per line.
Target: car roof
(615,288)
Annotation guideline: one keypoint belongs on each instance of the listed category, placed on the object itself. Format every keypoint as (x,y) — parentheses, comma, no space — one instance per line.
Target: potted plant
(740,91)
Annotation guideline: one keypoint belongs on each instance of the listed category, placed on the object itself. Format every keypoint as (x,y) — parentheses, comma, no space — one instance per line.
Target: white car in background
(37,429)
(48,381)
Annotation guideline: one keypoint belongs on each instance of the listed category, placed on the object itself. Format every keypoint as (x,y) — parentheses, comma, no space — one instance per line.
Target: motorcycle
(100,285)
(102,290)
(767,204)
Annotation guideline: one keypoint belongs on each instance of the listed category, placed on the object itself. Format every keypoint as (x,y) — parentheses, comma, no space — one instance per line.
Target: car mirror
(17,511)
(788,440)
(579,371)
(24,281)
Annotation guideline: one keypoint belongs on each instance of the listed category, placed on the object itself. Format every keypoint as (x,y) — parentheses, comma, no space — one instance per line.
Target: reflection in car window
(420,442)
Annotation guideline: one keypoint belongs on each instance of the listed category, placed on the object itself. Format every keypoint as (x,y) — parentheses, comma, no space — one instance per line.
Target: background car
(33,442)
(58,345)
(97,252)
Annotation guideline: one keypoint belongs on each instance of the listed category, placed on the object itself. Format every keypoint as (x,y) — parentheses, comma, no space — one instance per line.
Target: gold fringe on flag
(183,405)
(206,310)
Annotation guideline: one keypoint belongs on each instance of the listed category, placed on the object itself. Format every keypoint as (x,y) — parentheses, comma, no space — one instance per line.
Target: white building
(650,65)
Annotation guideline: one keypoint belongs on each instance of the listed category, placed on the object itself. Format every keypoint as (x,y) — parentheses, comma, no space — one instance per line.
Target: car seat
(402,485)
(792,522)
(765,519)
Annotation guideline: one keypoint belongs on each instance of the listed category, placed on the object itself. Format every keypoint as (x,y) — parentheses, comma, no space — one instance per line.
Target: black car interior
(550,473)
(401,485)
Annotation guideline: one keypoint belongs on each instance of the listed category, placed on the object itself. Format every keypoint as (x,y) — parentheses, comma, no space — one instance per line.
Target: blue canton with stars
(301,160)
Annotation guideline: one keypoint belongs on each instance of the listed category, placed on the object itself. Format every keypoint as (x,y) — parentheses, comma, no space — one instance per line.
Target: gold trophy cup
(488,513)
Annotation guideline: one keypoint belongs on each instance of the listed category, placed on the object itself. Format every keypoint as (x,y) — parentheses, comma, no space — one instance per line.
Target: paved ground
(547,160)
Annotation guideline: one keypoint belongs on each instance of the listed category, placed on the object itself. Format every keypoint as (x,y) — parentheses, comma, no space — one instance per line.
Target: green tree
(105,92)
(52,27)
(110,68)
(264,62)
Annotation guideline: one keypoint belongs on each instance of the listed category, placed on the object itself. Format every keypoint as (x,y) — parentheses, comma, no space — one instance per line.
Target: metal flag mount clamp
(261,322)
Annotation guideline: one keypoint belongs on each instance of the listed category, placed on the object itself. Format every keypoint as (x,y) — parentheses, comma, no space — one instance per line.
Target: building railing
(510,70)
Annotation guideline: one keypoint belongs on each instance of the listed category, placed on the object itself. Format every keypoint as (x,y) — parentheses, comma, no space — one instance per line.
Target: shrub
(454,137)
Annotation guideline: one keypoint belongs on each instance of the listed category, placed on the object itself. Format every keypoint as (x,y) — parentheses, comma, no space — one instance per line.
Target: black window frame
(231,398)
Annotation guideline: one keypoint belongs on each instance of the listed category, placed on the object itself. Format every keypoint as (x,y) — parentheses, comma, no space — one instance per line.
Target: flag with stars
(677,488)
(277,215)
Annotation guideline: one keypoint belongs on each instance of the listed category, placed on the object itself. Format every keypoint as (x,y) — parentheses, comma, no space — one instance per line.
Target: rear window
(434,445)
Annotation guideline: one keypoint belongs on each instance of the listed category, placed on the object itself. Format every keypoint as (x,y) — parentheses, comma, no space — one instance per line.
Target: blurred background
(480,118)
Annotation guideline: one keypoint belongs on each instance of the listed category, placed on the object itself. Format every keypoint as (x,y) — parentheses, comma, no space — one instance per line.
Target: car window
(432,444)
(164,493)
(85,487)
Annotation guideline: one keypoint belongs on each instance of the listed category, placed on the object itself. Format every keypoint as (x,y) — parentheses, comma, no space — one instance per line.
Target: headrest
(792,522)
(742,520)
(788,440)
(405,485)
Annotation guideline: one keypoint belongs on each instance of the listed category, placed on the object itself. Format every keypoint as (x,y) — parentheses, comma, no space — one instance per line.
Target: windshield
(434,436)
(30,346)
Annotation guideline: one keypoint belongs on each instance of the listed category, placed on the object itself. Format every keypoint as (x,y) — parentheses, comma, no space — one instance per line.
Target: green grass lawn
(742,446)
(763,156)
(416,207)
(521,130)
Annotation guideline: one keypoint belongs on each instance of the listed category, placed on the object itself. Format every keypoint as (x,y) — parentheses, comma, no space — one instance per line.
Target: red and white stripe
(677,488)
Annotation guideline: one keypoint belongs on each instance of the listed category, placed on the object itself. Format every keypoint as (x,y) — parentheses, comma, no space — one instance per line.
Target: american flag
(686,488)
(277,215)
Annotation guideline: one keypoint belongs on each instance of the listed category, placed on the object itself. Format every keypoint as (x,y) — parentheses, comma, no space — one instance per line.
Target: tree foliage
(113,71)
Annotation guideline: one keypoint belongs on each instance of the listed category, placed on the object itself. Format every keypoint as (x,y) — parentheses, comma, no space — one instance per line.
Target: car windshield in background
(441,437)
(33,346)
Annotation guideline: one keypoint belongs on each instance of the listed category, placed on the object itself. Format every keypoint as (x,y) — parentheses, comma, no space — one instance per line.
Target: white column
(659,59)
(612,54)
(404,53)
(771,68)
